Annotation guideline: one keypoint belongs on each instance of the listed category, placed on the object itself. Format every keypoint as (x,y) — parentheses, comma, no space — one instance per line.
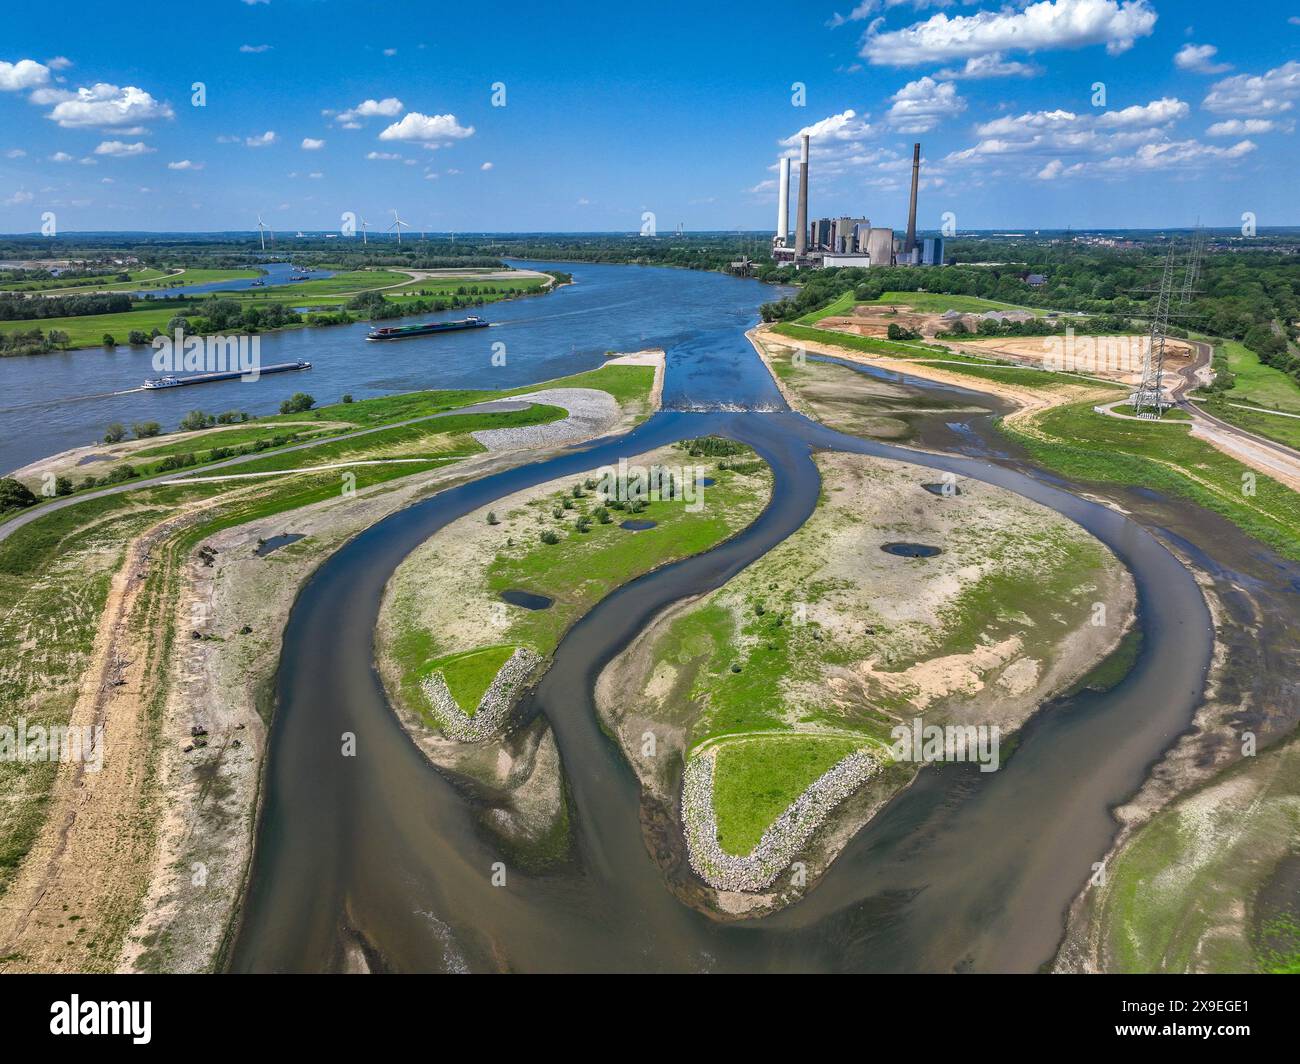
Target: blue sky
(315,107)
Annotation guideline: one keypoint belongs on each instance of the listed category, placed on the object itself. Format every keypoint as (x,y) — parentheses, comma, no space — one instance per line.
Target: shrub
(144,429)
(115,433)
(550,536)
(14,495)
(298,403)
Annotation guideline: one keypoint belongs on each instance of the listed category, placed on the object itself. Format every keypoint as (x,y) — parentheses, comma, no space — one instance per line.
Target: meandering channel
(961,871)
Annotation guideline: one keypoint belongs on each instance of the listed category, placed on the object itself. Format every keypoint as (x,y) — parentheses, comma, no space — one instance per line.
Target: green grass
(938,303)
(1284,430)
(1257,383)
(1182,891)
(148,314)
(867,344)
(585,566)
(468,675)
(1084,445)
(844,304)
(756,779)
(969,365)
(202,442)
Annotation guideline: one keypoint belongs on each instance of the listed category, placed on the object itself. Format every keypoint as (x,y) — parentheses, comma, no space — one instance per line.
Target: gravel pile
(496,702)
(781,841)
(591,413)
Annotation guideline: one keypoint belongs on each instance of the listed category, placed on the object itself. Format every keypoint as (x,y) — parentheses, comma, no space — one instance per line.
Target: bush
(550,536)
(115,433)
(196,419)
(135,338)
(347,398)
(14,495)
(298,403)
(602,515)
(144,429)
(492,518)
(109,341)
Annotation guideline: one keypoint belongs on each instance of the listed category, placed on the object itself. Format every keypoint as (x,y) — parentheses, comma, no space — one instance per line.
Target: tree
(109,341)
(196,419)
(115,433)
(14,495)
(298,403)
(144,429)
(135,338)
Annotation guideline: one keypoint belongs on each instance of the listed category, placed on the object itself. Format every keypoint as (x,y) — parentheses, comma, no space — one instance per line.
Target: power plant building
(846,241)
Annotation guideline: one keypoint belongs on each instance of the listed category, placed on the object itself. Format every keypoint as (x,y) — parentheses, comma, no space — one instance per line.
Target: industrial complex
(846,241)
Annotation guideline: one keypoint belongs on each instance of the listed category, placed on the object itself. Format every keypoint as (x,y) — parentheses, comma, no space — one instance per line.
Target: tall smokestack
(801,216)
(910,242)
(783,204)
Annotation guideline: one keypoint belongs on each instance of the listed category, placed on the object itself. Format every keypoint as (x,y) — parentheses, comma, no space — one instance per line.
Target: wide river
(66,399)
(382,852)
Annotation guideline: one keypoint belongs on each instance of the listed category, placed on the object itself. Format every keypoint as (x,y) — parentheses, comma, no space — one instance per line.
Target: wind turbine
(363,231)
(397,224)
(263,229)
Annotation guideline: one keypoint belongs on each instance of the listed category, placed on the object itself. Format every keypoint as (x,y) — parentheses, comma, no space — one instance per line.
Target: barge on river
(401,332)
(230,375)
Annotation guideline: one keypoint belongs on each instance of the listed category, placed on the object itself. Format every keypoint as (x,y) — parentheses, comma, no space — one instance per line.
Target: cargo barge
(230,375)
(401,332)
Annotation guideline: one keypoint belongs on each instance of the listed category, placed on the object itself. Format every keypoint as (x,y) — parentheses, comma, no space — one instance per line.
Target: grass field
(88,331)
(469,675)
(938,303)
(1284,430)
(1077,442)
(1257,383)
(756,779)
(1183,893)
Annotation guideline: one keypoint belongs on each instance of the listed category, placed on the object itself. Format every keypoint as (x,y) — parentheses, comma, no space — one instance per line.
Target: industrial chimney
(910,242)
(783,205)
(801,216)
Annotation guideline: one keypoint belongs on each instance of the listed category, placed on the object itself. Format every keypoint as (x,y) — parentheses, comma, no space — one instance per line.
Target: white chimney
(783,204)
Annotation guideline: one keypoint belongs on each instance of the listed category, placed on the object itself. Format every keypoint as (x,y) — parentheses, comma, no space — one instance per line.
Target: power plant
(845,241)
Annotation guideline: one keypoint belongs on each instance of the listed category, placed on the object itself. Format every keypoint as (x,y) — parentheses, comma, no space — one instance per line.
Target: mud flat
(790,678)
(463,610)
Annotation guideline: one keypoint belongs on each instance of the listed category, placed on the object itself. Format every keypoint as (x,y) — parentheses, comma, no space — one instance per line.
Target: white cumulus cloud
(1257,95)
(1049,24)
(388,107)
(921,105)
(106,105)
(1199,59)
(24,74)
(261,140)
(312,144)
(184,164)
(118,149)
(417,126)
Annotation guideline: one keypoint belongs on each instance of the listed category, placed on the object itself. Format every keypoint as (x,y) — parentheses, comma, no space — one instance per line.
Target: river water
(72,396)
(962,871)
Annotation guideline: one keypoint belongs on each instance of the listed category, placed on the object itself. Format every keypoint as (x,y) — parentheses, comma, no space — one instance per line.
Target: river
(72,396)
(963,871)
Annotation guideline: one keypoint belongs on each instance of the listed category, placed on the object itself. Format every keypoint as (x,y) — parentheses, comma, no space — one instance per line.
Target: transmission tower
(1193,274)
(1149,400)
